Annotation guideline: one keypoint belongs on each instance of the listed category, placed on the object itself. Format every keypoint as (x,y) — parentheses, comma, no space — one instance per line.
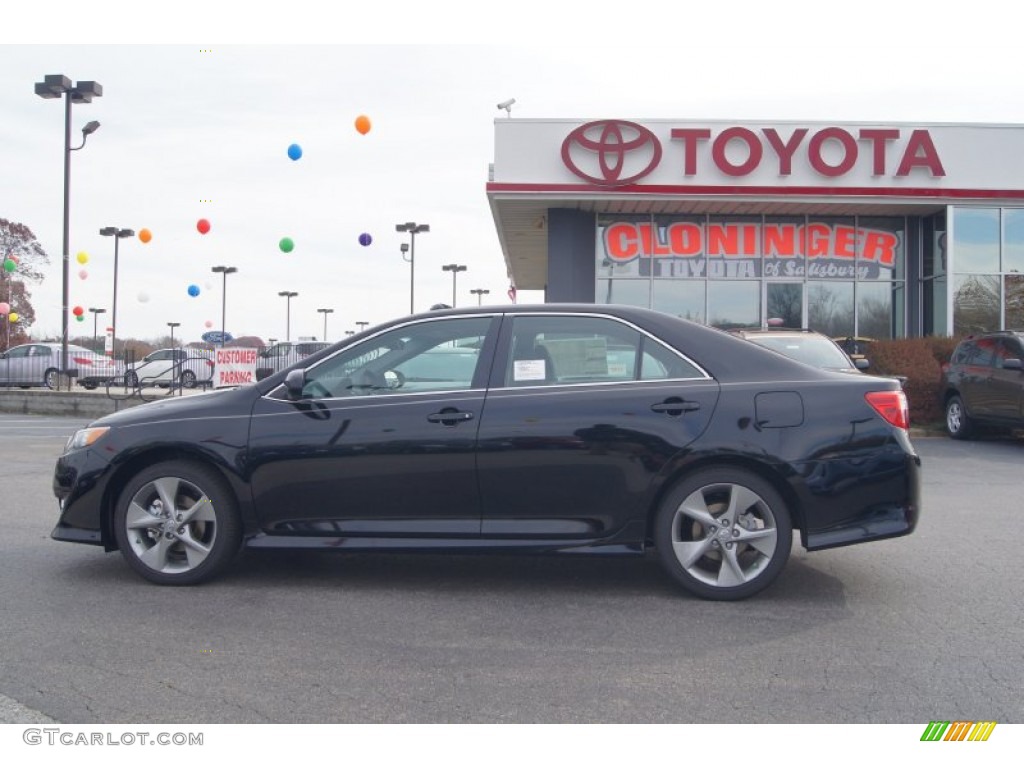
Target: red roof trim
(692,191)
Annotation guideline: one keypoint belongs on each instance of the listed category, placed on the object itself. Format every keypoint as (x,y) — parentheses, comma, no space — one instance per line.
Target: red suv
(983,383)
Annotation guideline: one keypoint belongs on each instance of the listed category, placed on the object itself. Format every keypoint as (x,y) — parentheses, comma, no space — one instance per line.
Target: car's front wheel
(51,379)
(188,379)
(958,423)
(177,523)
(723,533)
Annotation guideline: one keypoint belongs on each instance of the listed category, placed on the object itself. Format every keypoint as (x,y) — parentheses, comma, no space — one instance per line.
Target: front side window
(432,356)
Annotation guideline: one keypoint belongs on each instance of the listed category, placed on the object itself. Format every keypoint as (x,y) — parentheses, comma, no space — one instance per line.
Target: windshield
(813,350)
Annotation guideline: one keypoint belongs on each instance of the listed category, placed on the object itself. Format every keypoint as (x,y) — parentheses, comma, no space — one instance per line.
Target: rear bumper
(897,515)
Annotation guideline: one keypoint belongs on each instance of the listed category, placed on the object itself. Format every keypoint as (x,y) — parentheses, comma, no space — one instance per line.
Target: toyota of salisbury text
(525,429)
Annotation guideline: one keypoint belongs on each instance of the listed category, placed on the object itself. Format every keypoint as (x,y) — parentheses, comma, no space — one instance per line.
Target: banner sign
(751,250)
(235,366)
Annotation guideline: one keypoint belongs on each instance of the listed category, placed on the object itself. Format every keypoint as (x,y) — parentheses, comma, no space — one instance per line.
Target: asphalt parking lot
(916,629)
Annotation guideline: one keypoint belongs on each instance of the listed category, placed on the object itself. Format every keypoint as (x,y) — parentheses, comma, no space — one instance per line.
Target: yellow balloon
(82,257)
(13,317)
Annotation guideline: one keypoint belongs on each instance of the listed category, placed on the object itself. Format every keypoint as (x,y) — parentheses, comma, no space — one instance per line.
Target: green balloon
(286,244)
(10,265)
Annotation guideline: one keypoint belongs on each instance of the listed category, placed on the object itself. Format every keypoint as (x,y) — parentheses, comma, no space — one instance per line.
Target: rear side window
(587,350)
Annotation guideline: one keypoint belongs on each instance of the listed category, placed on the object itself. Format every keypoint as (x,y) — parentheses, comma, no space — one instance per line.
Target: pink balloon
(209,324)
(83,274)
(5,308)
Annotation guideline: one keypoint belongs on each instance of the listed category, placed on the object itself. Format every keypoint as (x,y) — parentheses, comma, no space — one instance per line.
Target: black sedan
(552,428)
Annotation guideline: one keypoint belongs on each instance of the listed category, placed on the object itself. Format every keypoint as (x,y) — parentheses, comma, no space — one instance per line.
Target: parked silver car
(188,367)
(284,354)
(39,365)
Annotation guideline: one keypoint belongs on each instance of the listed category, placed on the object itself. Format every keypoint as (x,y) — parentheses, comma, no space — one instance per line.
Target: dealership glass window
(1013,240)
(781,250)
(934,285)
(831,247)
(636,293)
(682,298)
(1013,301)
(879,310)
(620,243)
(830,307)
(734,303)
(784,304)
(881,247)
(976,240)
(680,245)
(975,303)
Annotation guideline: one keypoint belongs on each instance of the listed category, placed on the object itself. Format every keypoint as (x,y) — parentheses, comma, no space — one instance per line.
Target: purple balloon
(365,239)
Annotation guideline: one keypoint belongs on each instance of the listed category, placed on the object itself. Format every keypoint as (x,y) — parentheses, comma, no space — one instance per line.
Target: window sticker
(528,370)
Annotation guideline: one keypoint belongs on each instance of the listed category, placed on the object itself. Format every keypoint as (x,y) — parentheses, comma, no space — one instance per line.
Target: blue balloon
(365,239)
(193,290)
(294,151)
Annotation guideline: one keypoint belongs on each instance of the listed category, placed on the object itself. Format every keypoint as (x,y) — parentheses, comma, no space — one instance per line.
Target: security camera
(506,104)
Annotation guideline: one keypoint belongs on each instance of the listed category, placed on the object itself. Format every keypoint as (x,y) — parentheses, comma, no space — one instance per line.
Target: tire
(958,423)
(691,538)
(131,379)
(164,545)
(188,379)
(51,378)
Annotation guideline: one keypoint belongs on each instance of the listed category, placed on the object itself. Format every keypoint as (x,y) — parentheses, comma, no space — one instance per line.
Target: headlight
(85,437)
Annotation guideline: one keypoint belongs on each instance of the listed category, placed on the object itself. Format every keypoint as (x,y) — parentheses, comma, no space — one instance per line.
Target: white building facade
(852,229)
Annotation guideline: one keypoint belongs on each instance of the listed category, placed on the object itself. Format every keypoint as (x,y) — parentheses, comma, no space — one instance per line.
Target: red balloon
(78,311)
(203,226)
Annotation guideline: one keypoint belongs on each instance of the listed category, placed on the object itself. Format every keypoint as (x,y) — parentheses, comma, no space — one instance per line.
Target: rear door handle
(449,417)
(675,406)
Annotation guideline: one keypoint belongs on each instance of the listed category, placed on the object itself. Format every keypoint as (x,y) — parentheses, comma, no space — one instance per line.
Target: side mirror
(861,363)
(1013,364)
(294,382)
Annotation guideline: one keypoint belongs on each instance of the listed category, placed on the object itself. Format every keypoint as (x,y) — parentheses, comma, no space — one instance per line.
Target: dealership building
(879,230)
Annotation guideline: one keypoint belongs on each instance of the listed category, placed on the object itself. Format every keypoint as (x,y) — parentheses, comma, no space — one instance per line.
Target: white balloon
(143,297)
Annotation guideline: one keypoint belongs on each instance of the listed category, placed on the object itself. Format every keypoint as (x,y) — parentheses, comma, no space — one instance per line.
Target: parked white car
(188,366)
(39,365)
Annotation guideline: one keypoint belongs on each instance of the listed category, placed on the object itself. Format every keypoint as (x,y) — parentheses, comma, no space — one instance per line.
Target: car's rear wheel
(958,423)
(51,379)
(723,533)
(177,523)
(188,379)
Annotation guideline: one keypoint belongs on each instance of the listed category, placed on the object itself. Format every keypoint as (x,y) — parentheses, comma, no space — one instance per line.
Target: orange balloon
(145,235)
(363,124)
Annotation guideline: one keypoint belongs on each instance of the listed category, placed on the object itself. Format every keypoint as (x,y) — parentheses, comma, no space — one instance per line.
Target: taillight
(209,363)
(891,406)
(82,360)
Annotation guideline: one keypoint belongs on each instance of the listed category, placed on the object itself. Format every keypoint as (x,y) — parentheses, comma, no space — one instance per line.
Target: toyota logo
(614,151)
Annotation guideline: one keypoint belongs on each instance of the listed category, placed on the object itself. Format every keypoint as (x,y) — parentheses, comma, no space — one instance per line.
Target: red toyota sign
(618,152)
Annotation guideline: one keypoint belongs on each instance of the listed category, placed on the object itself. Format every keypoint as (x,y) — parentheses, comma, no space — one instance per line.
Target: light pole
(480,293)
(362,325)
(117,234)
(224,299)
(288,313)
(96,312)
(83,92)
(454,269)
(413,229)
(172,326)
(325,313)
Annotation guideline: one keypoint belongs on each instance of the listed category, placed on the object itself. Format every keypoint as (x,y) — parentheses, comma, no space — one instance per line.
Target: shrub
(920,360)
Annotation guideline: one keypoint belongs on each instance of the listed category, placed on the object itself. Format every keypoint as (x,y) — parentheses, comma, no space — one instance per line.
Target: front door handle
(449,417)
(675,406)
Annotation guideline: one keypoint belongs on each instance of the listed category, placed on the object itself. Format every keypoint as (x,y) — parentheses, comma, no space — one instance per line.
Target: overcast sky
(201,129)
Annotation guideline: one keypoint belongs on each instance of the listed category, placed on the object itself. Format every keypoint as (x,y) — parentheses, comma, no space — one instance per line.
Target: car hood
(218,402)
